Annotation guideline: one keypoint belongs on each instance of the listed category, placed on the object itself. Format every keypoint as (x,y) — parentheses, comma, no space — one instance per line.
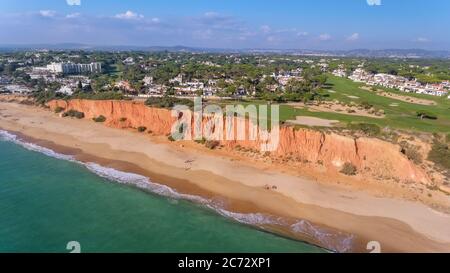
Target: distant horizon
(75,44)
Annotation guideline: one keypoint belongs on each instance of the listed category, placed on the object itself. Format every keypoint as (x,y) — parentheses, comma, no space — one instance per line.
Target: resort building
(399,83)
(72,68)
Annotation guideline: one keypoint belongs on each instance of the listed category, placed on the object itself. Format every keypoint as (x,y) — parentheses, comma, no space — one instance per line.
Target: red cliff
(371,156)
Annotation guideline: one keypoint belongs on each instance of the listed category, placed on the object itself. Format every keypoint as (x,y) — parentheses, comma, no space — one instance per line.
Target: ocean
(48,200)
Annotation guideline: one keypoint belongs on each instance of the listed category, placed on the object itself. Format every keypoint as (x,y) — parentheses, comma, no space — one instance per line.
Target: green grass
(286,112)
(404,116)
(115,72)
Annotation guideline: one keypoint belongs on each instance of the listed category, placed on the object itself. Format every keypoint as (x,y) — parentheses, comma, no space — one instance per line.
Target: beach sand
(239,185)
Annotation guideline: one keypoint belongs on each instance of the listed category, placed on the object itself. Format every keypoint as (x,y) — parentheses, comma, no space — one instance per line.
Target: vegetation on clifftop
(168,102)
(100,96)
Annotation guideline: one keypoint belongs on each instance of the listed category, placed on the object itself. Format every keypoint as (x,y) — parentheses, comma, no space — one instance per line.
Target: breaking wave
(337,241)
(141,182)
(332,240)
(4,135)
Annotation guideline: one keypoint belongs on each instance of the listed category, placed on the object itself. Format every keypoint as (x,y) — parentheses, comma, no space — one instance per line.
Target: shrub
(426,115)
(59,109)
(212,144)
(447,138)
(73,114)
(349,169)
(200,141)
(99,119)
(440,154)
(366,105)
(367,128)
(79,115)
(411,152)
(170,138)
(123,119)
(141,129)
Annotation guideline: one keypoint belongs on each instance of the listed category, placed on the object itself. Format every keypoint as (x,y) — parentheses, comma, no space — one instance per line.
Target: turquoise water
(46,202)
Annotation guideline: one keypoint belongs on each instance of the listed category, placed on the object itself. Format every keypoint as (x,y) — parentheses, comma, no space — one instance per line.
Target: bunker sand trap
(407,98)
(312,121)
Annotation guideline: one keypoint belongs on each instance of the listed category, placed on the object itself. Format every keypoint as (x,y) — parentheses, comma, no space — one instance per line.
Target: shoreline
(234,209)
(163,164)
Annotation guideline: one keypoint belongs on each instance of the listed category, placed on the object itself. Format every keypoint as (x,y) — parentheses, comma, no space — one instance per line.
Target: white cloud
(73,15)
(129,15)
(73,2)
(353,37)
(211,14)
(265,29)
(374,2)
(47,13)
(302,33)
(156,20)
(324,37)
(422,40)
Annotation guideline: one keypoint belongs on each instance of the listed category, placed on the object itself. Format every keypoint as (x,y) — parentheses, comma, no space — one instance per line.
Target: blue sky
(301,24)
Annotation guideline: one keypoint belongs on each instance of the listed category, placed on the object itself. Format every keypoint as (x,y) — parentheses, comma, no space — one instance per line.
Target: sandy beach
(399,225)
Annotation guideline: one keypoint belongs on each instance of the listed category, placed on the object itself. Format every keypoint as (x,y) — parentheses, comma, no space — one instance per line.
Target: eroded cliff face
(374,157)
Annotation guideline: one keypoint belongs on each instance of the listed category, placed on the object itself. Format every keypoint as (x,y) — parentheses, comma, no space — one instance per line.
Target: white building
(339,73)
(359,75)
(4,80)
(72,68)
(177,79)
(65,90)
(128,61)
(398,82)
(148,80)
(17,89)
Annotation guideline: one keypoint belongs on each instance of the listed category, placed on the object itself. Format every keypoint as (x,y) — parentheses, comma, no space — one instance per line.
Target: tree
(319,80)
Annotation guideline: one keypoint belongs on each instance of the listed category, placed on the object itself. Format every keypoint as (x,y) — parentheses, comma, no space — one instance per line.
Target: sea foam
(337,241)
(4,135)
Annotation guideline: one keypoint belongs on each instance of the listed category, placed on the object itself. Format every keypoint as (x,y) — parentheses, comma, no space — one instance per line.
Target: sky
(286,24)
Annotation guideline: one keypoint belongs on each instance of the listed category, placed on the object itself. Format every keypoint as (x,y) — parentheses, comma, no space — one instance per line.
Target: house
(67,90)
(148,80)
(178,79)
(339,73)
(156,89)
(125,86)
(400,83)
(128,61)
(359,75)
(17,89)
(4,80)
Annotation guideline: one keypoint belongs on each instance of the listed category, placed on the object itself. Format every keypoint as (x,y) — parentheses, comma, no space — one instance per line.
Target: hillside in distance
(364,53)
